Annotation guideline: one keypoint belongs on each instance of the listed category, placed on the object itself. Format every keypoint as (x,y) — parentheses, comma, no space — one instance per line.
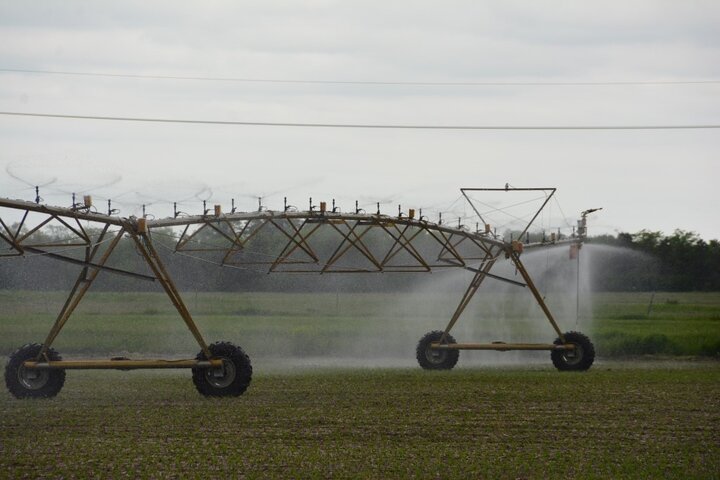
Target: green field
(371,326)
(614,421)
(648,408)
(675,324)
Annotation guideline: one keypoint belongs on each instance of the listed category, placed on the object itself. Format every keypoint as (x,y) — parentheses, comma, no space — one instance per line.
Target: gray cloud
(656,180)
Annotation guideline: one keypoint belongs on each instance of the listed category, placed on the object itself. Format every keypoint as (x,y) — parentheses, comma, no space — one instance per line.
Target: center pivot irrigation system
(318,240)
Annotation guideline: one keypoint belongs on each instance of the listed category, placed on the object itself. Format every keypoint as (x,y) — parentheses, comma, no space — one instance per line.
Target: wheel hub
(223,376)
(32,378)
(435,355)
(574,356)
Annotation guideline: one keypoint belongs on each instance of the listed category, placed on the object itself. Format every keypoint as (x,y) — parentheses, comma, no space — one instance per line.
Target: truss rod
(293,244)
(355,242)
(496,277)
(95,266)
(403,243)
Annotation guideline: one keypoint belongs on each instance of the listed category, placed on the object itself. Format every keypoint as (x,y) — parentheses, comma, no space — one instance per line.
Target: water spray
(575,253)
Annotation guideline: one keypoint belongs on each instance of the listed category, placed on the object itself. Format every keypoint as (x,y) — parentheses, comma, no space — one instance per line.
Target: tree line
(681,261)
(642,261)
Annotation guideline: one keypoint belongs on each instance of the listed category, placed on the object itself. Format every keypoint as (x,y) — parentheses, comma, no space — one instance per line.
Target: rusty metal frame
(402,233)
(445,247)
(96,255)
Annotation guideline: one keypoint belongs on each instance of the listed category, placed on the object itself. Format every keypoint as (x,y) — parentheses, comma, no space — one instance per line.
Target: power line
(368,126)
(358,82)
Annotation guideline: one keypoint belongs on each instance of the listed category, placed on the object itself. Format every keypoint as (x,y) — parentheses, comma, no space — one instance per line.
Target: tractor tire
(230,380)
(435,359)
(33,383)
(576,360)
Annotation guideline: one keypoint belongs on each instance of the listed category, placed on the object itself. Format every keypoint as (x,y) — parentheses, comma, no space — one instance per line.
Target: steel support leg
(146,248)
(82,284)
(477,280)
(531,285)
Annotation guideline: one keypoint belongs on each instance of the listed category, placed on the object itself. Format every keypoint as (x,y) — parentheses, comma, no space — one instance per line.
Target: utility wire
(357,82)
(368,125)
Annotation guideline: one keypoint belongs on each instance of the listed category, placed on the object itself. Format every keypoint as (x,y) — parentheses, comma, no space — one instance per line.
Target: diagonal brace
(515,257)
(147,250)
(480,276)
(82,284)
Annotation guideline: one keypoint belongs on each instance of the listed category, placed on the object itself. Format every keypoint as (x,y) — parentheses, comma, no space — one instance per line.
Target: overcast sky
(644,179)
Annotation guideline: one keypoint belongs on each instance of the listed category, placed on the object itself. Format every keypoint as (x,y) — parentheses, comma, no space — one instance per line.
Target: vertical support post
(147,250)
(531,285)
